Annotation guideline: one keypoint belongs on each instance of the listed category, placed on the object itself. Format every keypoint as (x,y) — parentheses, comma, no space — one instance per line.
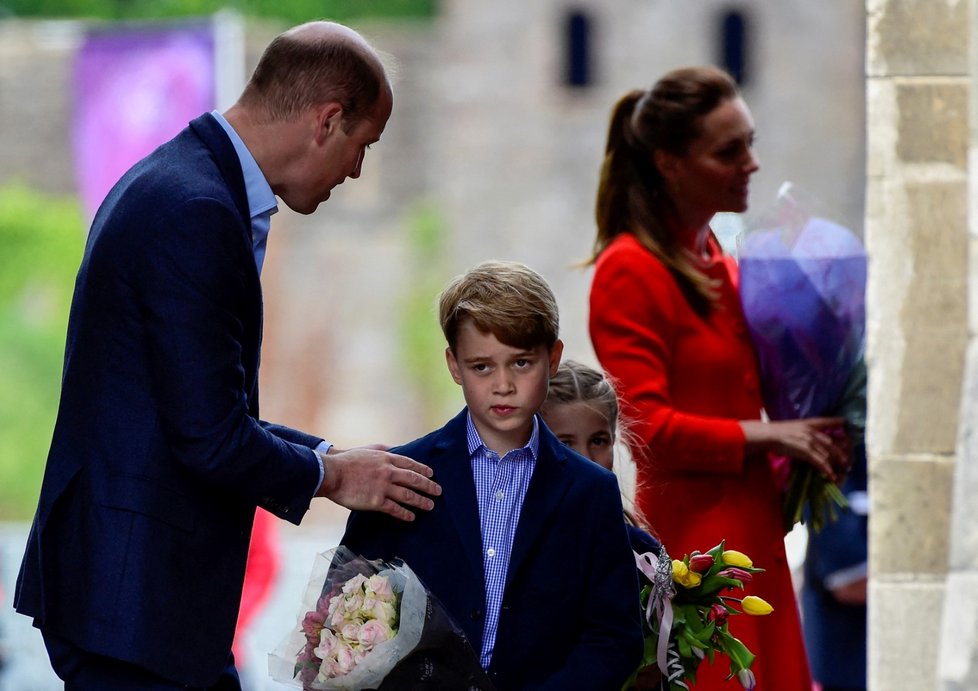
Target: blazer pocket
(143,496)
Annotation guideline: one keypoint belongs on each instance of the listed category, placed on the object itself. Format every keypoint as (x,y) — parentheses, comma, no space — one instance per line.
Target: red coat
(685,381)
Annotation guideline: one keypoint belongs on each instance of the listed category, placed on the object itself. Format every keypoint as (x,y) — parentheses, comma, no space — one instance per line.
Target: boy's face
(503,386)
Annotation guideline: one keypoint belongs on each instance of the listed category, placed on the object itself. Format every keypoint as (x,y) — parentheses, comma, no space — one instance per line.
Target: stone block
(905,621)
(964,526)
(917,311)
(958,662)
(911,508)
(933,121)
(938,217)
(917,37)
(882,136)
(928,407)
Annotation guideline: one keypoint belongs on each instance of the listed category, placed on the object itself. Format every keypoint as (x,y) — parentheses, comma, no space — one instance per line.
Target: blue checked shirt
(500,487)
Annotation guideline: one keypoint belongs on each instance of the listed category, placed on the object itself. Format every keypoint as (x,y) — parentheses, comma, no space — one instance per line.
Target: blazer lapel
(547,489)
(453,471)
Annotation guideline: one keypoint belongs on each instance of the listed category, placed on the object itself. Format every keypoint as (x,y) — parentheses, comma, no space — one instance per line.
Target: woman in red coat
(667,325)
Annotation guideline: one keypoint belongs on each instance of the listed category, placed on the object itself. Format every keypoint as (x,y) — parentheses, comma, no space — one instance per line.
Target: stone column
(918,91)
(958,661)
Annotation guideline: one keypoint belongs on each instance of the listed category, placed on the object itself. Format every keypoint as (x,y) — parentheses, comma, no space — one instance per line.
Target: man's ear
(453,366)
(555,353)
(329,119)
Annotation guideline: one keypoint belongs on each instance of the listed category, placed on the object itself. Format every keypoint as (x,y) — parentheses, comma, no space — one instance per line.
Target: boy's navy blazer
(570,612)
(158,458)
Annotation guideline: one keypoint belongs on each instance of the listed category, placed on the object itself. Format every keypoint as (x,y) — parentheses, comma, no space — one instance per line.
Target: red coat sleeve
(643,332)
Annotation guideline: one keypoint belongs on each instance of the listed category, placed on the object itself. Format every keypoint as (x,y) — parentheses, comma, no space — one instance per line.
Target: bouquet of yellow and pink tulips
(687,611)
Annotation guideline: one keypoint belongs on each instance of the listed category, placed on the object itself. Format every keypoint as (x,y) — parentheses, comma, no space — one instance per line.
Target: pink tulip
(739,574)
(717,613)
(700,563)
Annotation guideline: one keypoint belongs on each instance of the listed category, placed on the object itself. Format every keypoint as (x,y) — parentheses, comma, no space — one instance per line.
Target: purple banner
(135,89)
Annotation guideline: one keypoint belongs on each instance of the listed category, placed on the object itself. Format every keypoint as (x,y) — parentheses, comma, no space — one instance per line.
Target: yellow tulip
(683,576)
(756,606)
(732,557)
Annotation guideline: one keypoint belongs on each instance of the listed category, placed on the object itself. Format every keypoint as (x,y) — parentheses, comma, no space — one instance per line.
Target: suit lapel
(210,132)
(453,470)
(226,158)
(546,492)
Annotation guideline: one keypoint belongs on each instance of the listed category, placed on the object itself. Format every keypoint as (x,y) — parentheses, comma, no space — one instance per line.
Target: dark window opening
(578,50)
(734,46)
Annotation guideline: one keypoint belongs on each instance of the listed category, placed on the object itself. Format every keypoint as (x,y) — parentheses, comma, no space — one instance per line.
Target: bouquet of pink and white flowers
(373,625)
(347,625)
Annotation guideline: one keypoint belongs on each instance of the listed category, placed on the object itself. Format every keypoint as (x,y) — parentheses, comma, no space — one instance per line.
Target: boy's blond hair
(507,299)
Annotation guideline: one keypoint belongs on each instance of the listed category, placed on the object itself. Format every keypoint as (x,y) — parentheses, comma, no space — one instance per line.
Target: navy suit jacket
(570,611)
(158,458)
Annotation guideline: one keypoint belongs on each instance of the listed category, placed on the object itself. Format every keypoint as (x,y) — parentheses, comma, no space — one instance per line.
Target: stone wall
(918,92)
(958,661)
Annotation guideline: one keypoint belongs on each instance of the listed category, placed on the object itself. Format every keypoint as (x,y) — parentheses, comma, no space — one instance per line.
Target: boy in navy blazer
(526,547)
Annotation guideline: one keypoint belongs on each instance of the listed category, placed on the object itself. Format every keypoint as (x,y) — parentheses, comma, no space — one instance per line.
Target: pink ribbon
(660,600)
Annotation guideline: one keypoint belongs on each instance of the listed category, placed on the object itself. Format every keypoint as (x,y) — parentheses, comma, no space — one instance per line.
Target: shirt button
(499,495)
(490,552)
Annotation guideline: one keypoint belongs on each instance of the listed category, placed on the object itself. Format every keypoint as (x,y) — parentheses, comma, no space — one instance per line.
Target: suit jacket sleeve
(635,320)
(197,295)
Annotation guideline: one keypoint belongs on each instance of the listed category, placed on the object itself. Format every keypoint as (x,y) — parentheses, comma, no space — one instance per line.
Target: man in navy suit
(527,547)
(135,561)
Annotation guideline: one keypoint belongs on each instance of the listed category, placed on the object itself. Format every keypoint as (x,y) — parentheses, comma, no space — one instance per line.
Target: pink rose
(344,658)
(355,584)
(353,603)
(334,605)
(327,644)
(384,611)
(373,632)
(338,618)
(380,586)
(350,631)
(328,670)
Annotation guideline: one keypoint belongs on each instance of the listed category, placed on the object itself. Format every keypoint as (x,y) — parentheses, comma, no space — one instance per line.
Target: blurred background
(492,151)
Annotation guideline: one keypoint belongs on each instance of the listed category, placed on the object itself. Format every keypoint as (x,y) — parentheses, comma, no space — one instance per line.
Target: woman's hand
(820,442)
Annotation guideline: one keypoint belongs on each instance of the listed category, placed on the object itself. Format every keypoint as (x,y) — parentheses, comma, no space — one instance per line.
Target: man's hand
(368,479)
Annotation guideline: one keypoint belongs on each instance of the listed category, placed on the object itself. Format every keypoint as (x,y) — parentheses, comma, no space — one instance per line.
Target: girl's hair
(632,195)
(575,383)
(578,383)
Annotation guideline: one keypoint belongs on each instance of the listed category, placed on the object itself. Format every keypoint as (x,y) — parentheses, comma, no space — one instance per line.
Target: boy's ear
(453,366)
(555,352)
